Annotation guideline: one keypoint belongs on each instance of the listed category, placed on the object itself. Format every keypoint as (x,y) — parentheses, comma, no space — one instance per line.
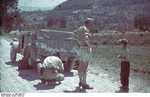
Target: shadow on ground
(47,86)
(67,74)
(77,90)
(29,74)
(122,90)
(13,64)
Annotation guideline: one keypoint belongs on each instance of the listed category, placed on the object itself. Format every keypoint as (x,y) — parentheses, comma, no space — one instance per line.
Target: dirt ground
(102,75)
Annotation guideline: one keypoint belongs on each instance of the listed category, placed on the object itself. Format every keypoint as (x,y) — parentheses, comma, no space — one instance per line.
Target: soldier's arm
(87,40)
(74,35)
(60,65)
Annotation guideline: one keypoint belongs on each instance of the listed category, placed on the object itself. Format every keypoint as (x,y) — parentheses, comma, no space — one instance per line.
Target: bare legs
(82,71)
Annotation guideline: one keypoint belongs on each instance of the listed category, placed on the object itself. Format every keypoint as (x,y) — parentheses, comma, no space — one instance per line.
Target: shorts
(85,53)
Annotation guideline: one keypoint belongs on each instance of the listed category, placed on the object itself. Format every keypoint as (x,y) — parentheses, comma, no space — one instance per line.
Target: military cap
(89,20)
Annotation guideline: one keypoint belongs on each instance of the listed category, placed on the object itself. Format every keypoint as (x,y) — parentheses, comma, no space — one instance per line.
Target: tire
(69,65)
(23,64)
(12,55)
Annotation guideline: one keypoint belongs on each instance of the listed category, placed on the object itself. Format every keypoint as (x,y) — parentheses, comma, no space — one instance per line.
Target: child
(125,64)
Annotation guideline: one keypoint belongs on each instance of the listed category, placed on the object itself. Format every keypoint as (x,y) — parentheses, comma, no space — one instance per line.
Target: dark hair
(123,43)
(56,54)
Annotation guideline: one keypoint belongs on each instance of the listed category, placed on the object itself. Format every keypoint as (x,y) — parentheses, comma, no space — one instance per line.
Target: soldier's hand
(118,56)
(61,70)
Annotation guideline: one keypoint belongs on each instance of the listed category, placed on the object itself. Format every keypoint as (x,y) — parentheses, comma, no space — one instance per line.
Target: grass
(106,56)
(133,38)
(138,44)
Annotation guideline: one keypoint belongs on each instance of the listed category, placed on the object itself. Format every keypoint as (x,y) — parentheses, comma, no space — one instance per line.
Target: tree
(141,22)
(10,15)
(62,22)
(50,22)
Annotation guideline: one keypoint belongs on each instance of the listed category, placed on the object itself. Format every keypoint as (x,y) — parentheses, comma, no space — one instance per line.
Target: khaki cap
(122,41)
(89,20)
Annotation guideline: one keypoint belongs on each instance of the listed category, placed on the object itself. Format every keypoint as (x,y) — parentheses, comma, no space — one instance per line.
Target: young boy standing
(125,64)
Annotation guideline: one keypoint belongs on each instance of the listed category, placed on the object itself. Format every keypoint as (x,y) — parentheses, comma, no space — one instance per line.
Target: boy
(125,64)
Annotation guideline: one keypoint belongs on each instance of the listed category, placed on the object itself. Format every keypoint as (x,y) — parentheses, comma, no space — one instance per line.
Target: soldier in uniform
(50,69)
(82,38)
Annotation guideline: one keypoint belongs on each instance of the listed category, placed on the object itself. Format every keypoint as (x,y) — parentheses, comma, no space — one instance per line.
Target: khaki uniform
(50,66)
(83,50)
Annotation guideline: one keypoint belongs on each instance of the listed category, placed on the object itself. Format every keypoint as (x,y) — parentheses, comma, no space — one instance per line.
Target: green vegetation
(10,14)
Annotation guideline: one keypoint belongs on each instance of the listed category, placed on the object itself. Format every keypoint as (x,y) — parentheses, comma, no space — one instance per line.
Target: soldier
(82,38)
(125,64)
(50,68)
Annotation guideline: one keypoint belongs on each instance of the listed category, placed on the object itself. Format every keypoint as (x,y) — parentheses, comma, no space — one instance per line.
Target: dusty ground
(103,75)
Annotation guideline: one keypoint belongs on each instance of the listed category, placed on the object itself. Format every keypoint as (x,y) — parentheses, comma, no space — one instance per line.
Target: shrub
(141,22)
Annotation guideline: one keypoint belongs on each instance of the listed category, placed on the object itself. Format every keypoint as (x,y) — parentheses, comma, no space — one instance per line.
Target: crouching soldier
(49,70)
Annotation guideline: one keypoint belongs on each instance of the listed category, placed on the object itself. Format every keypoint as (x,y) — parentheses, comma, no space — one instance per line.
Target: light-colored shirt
(53,62)
(82,35)
(125,54)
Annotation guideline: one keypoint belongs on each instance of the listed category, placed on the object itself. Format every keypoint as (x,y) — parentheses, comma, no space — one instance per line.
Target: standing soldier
(84,50)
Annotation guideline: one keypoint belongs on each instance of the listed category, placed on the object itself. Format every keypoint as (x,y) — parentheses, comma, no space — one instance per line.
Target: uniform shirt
(52,62)
(125,53)
(50,65)
(80,35)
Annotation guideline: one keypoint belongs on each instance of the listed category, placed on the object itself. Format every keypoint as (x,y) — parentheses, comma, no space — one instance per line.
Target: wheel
(69,65)
(12,55)
(24,62)
(32,63)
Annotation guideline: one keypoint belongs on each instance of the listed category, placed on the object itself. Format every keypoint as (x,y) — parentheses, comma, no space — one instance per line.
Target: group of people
(81,36)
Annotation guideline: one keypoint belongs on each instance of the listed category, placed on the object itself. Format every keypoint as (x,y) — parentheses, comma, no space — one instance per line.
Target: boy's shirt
(125,54)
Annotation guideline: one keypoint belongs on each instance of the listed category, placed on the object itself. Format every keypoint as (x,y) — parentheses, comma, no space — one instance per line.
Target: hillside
(105,12)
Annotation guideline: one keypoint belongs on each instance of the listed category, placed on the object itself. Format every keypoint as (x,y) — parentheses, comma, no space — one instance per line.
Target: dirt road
(28,81)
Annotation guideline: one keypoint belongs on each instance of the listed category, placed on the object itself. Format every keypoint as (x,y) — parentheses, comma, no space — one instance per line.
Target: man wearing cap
(82,38)
(125,64)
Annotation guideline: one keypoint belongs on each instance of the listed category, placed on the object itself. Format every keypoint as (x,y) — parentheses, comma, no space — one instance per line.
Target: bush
(10,16)
(141,22)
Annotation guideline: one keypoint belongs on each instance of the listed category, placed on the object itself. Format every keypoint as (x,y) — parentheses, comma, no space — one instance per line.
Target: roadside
(103,75)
